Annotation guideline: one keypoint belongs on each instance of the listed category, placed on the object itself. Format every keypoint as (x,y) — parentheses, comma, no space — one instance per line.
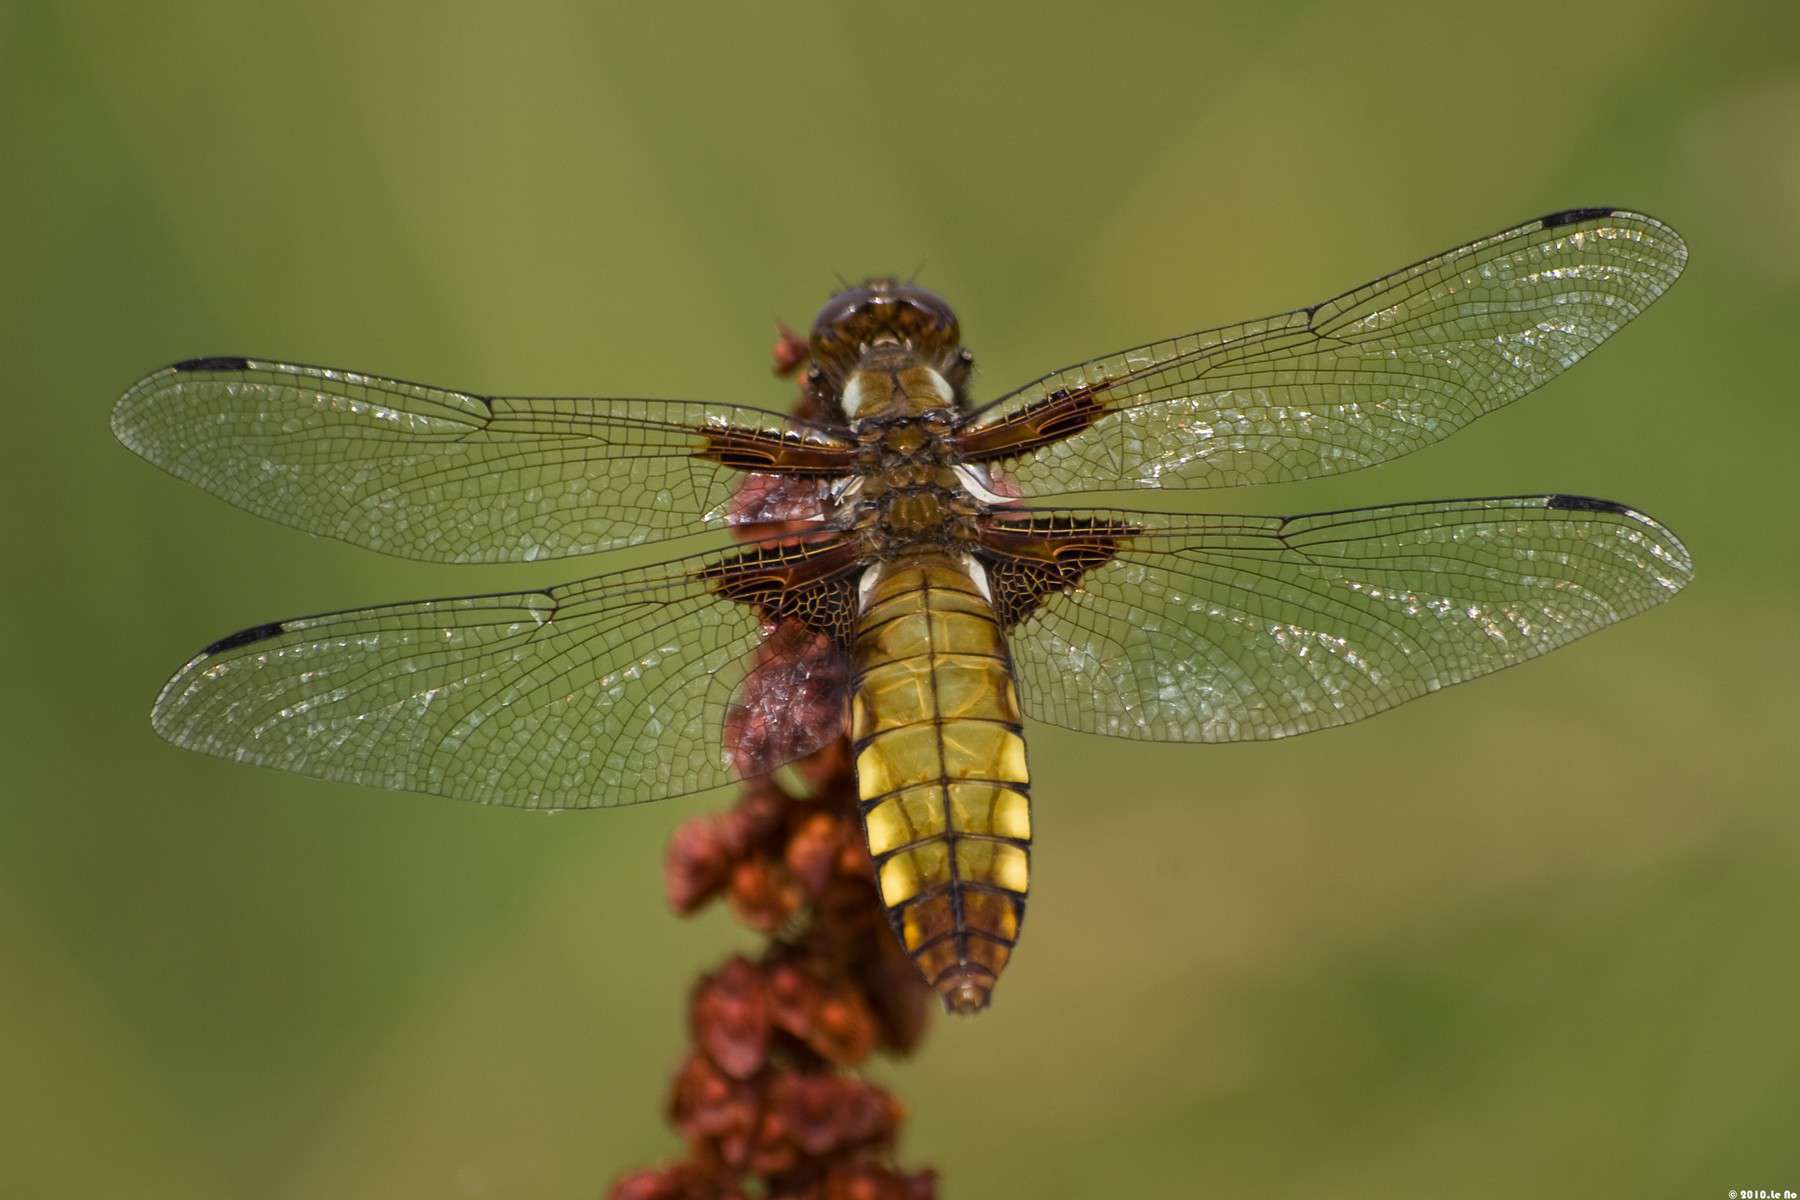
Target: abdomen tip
(964,995)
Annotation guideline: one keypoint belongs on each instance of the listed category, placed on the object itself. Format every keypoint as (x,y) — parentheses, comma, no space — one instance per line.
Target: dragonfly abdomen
(940,763)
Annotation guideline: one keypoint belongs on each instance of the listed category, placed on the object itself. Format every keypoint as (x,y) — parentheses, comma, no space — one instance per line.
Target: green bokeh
(1533,936)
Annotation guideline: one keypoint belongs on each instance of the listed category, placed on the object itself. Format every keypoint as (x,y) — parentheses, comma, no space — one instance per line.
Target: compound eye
(846,309)
(924,320)
(835,330)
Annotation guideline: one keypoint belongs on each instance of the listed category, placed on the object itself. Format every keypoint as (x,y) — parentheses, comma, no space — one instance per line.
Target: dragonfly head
(886,325)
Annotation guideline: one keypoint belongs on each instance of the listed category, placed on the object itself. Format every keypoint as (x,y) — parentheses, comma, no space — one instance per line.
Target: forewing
(447,476)
(1356,380)
(1222,629)
(607,691)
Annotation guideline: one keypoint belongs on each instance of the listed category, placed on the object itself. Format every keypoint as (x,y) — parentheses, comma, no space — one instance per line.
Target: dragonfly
(894,572)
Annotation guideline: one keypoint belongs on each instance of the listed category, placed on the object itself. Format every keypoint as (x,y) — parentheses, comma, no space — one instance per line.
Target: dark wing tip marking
(1570,216)
(224,362)
(1585,504)
(243,637)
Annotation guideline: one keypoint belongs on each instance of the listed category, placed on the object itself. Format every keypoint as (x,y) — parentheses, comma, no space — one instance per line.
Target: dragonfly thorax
(914,507)
(892,382)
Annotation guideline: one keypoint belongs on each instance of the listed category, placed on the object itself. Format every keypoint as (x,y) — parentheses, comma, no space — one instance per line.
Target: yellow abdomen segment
(940,766)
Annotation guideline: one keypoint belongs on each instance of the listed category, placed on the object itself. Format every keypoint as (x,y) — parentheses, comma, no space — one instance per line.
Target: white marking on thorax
(854,396)
(865,587)
(941,386)
(975,481)
(845,491)
(856,392)
(978,573)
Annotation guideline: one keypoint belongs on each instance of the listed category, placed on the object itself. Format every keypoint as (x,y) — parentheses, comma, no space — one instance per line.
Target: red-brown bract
(770,1089)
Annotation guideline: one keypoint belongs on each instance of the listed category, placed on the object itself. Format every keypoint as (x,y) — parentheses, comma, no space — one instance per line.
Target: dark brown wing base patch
(1062,414)
(1028,558)
(752,450)
(812,583)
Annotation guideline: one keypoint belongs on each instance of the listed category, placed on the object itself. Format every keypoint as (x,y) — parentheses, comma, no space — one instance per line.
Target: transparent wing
(1222,628)
(1365,377)
(608,691)
(427,473)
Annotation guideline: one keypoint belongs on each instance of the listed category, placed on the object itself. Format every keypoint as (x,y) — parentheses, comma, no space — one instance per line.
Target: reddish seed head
(697,865)
(715,1113)
(793,703)
(824,1114)
(763,895)
(813,850)
(764,1093)
(789,351)
(677,1181)
(869,1181)
(730,1018)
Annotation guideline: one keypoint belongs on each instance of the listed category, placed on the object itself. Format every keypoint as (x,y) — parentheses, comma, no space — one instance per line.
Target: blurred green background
(1537,934)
